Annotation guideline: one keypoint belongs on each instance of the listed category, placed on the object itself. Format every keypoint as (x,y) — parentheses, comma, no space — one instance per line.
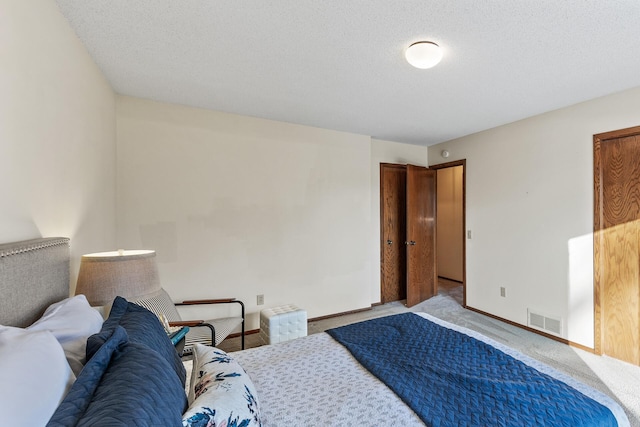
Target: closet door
(421,234)
(616,244)
(393,262)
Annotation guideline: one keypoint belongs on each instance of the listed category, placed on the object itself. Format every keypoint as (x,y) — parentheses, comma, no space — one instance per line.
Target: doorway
(393,217)
(616,247)
(451,226)
(407,233)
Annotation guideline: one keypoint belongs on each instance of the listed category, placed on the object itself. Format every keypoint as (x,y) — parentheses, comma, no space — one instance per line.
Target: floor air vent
(544,323)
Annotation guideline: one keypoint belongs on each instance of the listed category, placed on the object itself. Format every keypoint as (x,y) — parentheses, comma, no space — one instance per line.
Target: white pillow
(34,376)
(221,392)
(71,321)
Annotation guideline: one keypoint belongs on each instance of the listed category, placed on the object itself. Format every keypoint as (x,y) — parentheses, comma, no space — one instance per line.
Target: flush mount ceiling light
(423,54)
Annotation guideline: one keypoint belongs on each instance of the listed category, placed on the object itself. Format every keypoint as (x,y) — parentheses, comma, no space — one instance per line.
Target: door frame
(598,261)
(462,163)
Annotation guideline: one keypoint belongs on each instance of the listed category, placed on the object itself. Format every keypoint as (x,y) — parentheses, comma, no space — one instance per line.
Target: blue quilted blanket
(451,379)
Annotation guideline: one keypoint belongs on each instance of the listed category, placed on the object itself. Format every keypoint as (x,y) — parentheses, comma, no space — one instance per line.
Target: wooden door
(392,232)
(617,244)
(421,234)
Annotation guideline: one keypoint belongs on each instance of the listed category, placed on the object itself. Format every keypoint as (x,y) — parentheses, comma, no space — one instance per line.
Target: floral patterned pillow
(221,393)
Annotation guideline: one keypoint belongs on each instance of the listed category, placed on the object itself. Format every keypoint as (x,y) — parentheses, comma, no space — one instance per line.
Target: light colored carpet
(617,379)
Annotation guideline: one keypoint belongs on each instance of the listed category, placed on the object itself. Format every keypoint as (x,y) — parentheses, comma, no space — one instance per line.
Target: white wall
(530,209)
(450,204)
(57,133)
(234,205)
(386,152)
(240,206)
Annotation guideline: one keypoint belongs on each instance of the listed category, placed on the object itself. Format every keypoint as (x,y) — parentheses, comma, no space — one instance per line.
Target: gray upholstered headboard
(33,275)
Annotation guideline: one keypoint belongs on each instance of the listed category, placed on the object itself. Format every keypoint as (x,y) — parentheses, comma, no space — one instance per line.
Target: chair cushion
(158,303)
(202,335)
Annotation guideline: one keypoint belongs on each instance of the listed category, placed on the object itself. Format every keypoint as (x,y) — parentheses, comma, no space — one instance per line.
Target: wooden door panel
(618,253)
(620,302)
(393,229)
(421,234)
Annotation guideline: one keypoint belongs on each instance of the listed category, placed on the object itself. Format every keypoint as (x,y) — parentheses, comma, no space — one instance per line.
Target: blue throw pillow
(79,396)
(143,327)
(136,386)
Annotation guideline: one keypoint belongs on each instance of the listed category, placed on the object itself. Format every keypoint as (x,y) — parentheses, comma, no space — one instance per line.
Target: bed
(125,371)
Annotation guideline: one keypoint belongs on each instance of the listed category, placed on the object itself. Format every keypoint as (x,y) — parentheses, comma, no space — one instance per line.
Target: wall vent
(547,324)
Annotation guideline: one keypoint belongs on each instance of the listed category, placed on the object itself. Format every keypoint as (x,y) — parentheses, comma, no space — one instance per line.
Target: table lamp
(126,273)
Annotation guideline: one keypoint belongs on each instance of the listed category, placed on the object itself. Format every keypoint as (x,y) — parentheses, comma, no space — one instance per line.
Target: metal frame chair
(209,332)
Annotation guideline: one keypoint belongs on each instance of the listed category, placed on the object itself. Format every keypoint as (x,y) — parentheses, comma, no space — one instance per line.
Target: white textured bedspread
(324,382)
(315,381)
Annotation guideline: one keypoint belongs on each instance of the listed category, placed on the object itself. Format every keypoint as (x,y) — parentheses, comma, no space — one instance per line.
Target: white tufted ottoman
(282,323)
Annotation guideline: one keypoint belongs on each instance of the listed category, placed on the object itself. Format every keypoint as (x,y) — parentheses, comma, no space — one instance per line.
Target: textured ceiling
(338,64)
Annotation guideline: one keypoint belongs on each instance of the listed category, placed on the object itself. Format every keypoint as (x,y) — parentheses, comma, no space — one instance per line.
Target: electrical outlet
(260,299)
(503,291)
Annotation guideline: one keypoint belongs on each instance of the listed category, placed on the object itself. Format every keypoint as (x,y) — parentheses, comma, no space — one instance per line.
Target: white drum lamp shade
(129,274)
